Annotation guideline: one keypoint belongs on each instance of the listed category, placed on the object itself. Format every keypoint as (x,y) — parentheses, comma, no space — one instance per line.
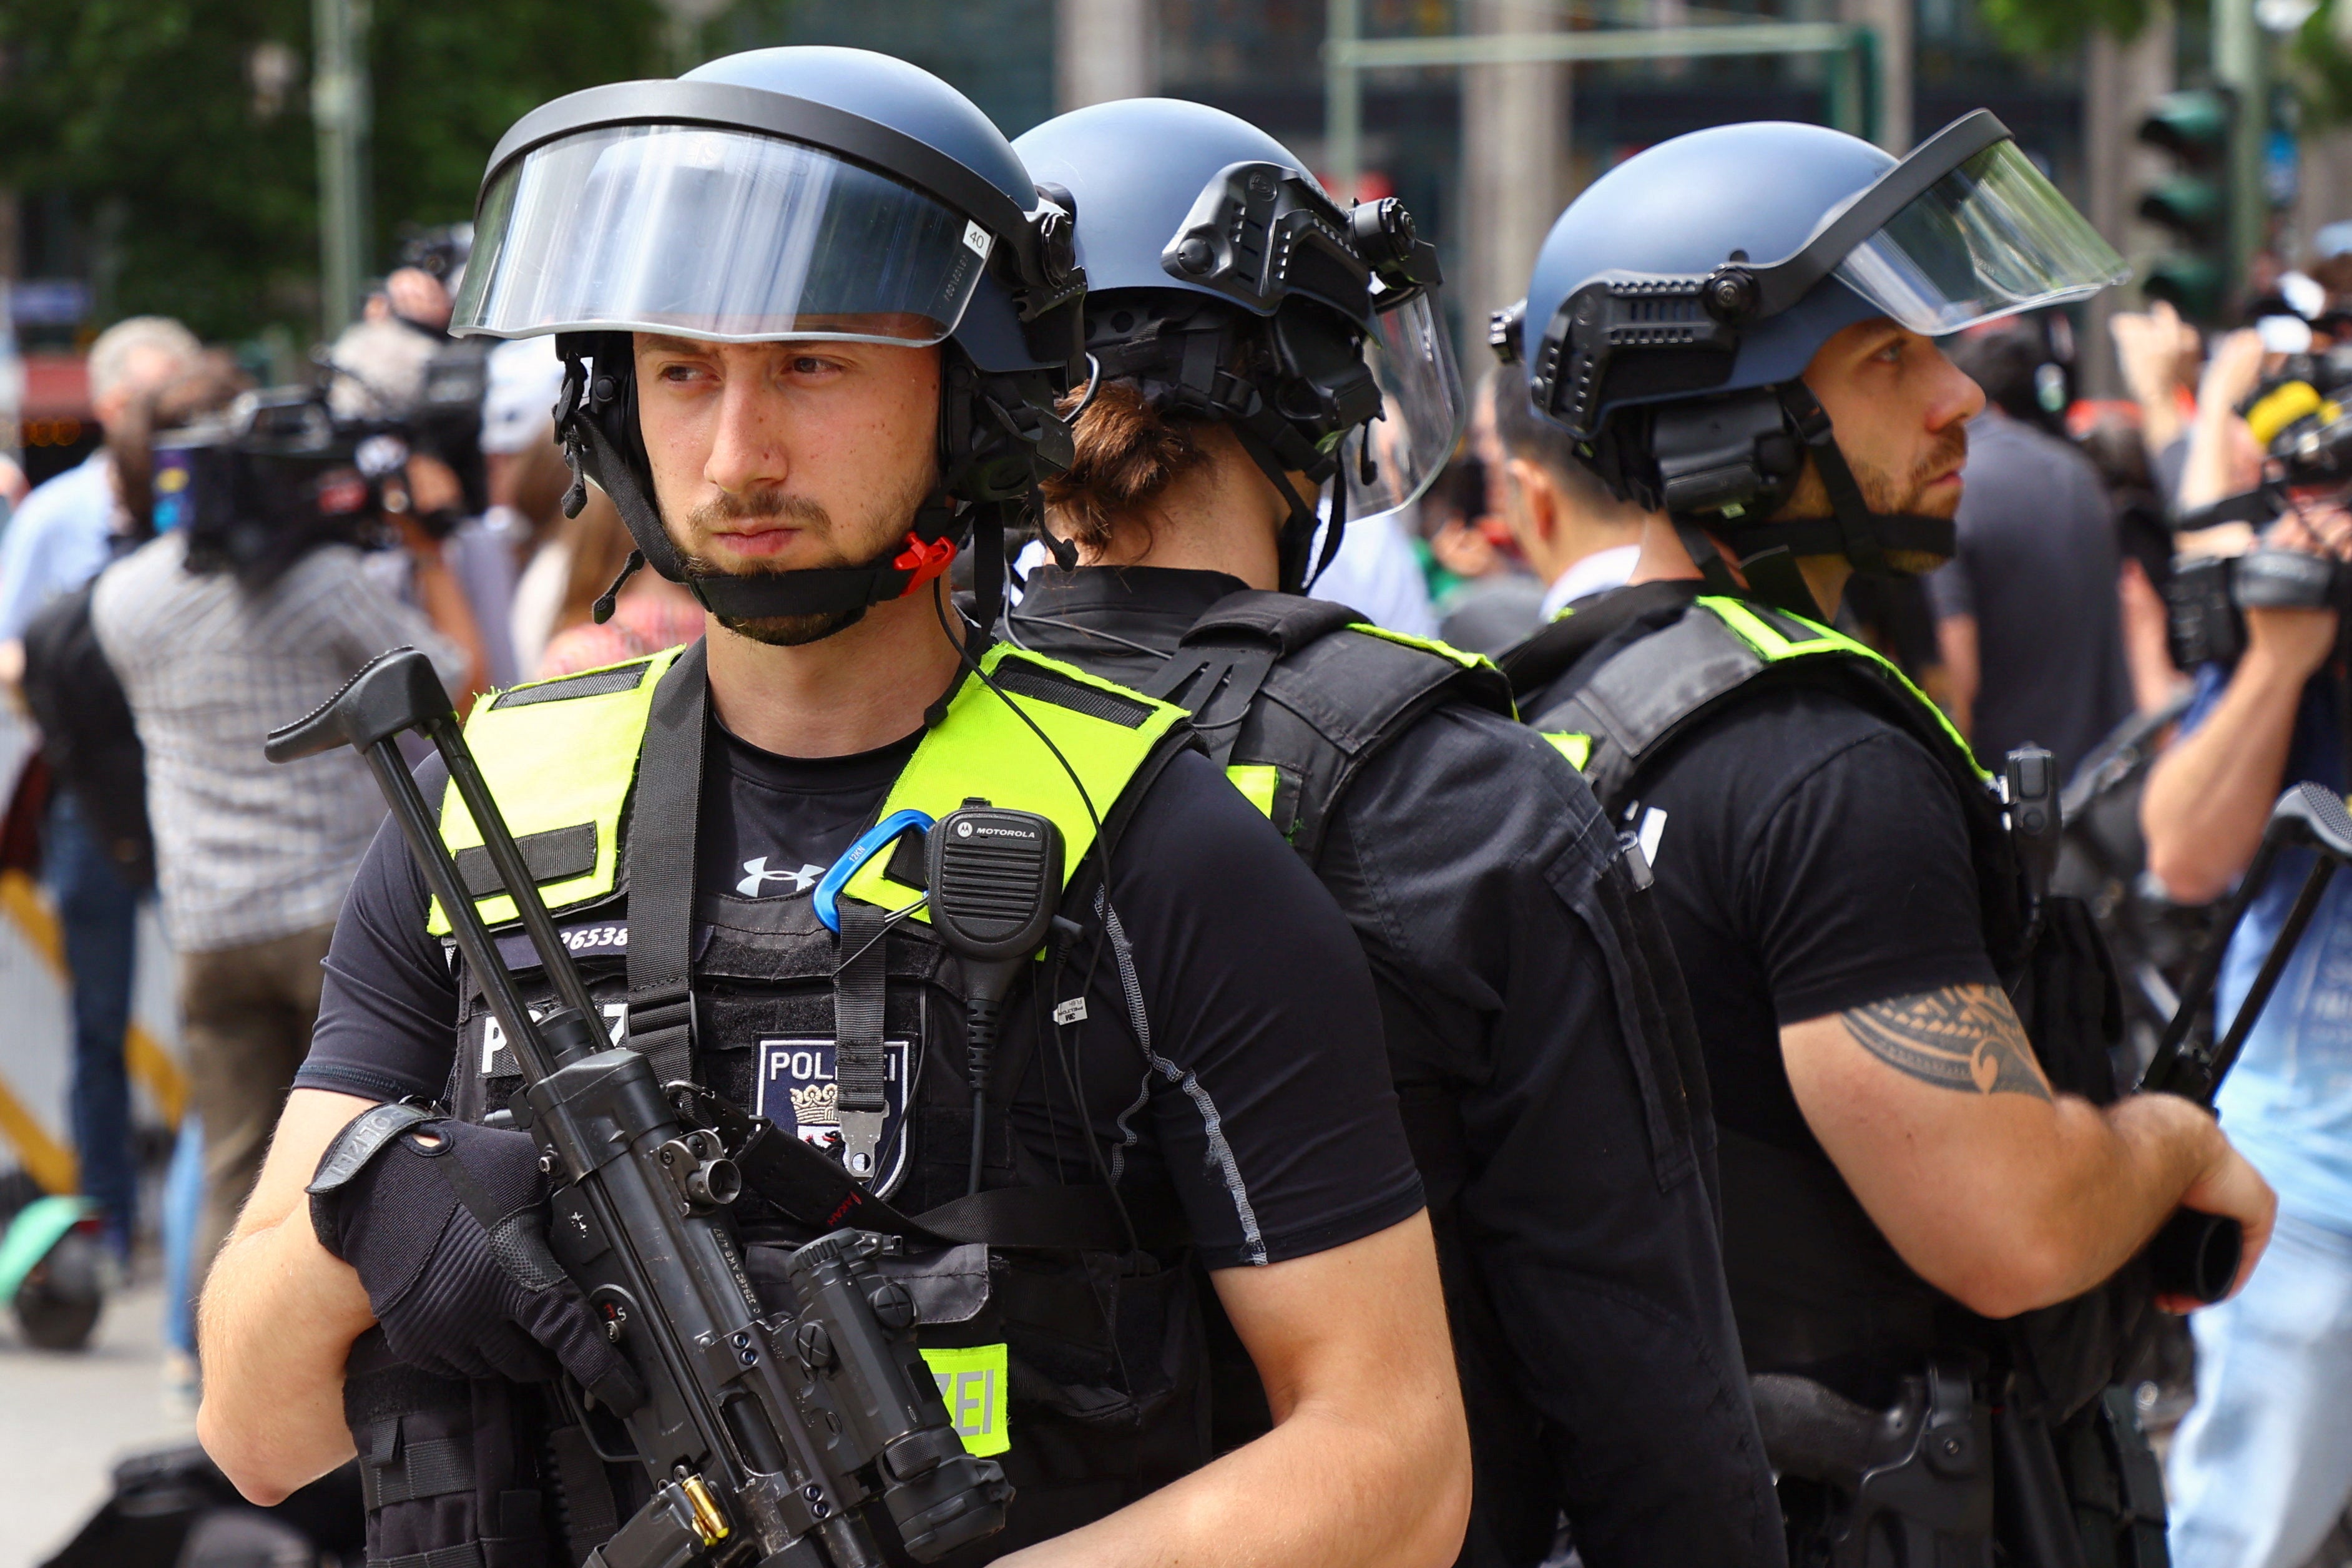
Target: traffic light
(2191,204)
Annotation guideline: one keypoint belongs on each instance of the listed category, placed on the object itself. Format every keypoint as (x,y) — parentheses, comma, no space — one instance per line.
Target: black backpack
(87,734)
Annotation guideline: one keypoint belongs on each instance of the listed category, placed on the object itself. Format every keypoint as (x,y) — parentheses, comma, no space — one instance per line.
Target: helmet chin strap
(1852,530)
(1297,533)
(925,552)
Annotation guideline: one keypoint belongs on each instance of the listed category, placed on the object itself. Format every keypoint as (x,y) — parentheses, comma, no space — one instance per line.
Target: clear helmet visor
(1422,410)
(1991,239)
(715,233)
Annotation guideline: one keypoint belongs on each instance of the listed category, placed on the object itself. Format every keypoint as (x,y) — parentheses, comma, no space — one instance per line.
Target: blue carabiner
(869,843)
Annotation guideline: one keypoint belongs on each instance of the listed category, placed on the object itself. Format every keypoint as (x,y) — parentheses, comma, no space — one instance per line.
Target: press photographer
(255,602)
(2261,1466)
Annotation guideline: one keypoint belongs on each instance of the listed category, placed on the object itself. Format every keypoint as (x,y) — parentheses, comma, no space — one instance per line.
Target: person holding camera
(230,621)
(2263,1465)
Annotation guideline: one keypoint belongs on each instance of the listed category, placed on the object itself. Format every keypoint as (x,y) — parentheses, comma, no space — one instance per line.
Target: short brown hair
(1127,453)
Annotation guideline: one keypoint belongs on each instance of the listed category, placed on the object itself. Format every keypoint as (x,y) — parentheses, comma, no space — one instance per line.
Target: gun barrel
(432,857)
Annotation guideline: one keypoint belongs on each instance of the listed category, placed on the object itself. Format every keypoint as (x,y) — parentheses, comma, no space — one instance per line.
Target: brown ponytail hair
(1127,453)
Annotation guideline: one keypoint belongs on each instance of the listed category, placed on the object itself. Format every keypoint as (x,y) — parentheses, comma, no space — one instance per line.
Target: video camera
(2207,601)
(275,478)
(2307,435)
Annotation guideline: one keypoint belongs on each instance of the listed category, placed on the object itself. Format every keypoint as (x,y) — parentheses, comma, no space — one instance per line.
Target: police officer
(814,315)
(1737,327)
(1253,347)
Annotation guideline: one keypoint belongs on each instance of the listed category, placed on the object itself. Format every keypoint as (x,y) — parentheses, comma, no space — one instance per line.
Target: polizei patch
(796,1087)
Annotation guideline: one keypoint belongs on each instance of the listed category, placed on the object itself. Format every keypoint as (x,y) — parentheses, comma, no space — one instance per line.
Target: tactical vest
(1072,1356)
(1624,720)
(1620,705)
(1293,696)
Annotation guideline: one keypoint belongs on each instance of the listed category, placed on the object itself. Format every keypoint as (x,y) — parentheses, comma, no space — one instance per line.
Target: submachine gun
(2197,1253)
(762,1434)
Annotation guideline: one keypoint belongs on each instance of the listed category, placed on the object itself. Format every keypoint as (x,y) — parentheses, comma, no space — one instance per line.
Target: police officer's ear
(1531,505)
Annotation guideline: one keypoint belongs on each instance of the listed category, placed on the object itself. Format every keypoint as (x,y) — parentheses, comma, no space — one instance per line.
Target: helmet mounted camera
(1230,287)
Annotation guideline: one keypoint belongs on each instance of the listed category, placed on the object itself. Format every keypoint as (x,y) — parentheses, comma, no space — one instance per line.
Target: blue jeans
(99,915)
(2263,1465)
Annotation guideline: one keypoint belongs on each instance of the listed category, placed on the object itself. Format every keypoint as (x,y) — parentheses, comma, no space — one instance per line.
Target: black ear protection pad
(1732,458)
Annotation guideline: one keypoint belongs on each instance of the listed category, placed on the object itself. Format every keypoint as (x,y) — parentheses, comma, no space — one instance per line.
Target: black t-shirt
(772,824)
(1810,858)
(1260,1102)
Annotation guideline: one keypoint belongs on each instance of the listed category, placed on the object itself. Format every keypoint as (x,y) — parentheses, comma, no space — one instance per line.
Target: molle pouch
(2071,1003)
(767,1034)
(484,1077)
(449,1468)
(1106,1387)
(1081,1373)
(2114,1485)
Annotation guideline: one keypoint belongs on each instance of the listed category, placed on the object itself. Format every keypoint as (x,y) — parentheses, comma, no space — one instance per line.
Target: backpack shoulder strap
(1291,695)
(1221,660)
(1330,709)
(1629,710)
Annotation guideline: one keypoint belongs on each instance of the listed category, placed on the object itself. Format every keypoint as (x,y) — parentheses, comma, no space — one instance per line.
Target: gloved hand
(447,1223)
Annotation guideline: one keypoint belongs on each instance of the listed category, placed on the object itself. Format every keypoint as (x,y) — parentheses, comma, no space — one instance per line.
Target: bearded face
(787,457)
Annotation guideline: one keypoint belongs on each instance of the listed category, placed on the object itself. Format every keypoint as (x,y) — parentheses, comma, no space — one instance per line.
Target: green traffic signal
(2191,285)
(2192,203)
(2192,125)
(2188,205)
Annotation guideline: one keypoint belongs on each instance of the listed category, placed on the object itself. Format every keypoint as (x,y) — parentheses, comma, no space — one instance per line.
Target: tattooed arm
(1998,1192)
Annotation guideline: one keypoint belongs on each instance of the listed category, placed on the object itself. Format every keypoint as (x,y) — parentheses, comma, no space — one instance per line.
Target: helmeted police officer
(1255,346)
(814,315)
(1737,327)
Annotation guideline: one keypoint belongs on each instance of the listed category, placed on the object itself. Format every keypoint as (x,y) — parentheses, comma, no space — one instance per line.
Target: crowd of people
(1747,1104)
(169,796)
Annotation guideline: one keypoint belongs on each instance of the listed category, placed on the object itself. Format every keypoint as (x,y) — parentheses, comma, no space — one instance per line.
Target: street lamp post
(341,108)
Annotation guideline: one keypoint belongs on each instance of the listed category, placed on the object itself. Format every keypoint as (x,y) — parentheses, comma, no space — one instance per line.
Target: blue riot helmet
(787,194)
(1228,285)
(1676,302)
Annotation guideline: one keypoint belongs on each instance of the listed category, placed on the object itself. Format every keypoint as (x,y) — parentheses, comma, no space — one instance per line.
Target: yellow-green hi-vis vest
(562,756)
(1625,715)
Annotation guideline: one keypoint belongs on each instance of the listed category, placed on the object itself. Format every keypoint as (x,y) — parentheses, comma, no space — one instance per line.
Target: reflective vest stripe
(1427,645)
(983,748)
(1258,782)
(556,764)
(1576,748)
(572,761)
(1772,648)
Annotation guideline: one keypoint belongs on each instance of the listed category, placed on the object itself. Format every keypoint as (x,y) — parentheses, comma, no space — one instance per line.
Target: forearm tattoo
(1963,1037)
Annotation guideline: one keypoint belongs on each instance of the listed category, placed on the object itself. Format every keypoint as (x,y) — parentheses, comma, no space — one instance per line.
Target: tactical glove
(447,1223)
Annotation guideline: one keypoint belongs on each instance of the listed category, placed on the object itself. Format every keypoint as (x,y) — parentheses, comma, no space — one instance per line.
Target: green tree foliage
(198,193)
(2046,26)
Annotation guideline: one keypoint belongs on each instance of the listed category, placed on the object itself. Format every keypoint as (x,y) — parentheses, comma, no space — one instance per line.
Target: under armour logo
(756,875)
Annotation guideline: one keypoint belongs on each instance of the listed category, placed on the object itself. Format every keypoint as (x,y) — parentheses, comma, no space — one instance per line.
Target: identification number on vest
(581,941)
(971,1385)
(797,1087)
